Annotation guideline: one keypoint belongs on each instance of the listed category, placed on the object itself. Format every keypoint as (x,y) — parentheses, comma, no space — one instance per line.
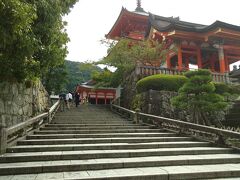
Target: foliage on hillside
(33,39)
(160,82)
(78,72)
(199,96)
(65,77)
(106,78)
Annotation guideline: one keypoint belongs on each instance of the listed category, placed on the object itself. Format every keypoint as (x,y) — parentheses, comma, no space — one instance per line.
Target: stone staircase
(90,142)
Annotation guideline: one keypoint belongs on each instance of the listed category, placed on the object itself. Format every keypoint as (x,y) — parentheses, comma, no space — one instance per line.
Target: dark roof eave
(186,26)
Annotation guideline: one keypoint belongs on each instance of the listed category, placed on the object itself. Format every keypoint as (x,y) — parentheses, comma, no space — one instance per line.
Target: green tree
(199,97)
(18,41)
(126,54)
(33,38)
(103,79)
(56,79)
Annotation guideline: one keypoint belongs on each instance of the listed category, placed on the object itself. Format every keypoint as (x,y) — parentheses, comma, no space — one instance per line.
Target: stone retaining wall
(18,102)
(158,103)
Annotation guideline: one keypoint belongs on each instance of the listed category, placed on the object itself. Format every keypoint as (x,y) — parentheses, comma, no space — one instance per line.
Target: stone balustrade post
(3,137)
(111,106)
(49,117)
(136,116)
(220,140)
(150,101)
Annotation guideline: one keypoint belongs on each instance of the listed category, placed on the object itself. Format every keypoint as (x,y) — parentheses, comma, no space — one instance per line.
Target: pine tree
(199,97)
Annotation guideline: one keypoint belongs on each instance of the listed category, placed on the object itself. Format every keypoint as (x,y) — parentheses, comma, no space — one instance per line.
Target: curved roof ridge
(162,23)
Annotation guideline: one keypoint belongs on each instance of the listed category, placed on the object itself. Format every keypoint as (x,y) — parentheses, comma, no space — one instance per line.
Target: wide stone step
(101,140)
(89,116)
(92,113)
(70,118)
(97,154)
(91,122)
(99,131)
(67,136)
(94,128)
(89,125)
(107,146)
(185,172)
(100,164)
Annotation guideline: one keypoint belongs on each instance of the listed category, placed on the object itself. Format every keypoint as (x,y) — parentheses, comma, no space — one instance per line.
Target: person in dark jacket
(62,98)
(77,99)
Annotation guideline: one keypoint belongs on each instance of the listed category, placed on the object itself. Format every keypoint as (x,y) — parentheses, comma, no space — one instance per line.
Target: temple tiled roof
(164,24)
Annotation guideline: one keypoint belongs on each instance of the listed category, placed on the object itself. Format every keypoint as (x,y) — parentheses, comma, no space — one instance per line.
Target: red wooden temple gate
(96,96)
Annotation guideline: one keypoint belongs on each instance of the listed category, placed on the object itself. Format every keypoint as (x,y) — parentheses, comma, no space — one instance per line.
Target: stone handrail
(25,124)
(11,134)
(144,71)
(137,116)
(208,129)
(125,112)
(123,109)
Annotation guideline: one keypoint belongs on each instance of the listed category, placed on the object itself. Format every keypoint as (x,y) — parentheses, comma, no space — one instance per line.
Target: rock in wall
(18,102)
(158,103)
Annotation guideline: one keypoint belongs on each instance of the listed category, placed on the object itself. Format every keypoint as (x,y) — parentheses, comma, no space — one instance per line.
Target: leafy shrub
(222,88)
(234,89)
(137,102)
(161,82)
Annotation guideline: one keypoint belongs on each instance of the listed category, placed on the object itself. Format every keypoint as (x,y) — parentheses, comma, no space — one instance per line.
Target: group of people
(68,98)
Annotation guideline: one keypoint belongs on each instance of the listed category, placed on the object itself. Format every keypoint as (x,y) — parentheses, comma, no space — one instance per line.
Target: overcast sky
(90,20)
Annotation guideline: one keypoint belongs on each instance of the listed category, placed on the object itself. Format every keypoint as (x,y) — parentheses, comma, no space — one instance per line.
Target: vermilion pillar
(187,64)
(105,98)
(199,58)
(227,68)
(96,98)
(212,66)
(221,59)
(168,61)
(179,58)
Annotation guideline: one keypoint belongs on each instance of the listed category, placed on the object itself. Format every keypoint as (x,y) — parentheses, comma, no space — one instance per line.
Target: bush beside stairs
(90,142)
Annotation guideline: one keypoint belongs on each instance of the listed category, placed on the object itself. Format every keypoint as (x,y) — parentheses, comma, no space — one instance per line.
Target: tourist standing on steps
(62,98)
(70,98)
(77,97)
(66,101)
(88,99)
